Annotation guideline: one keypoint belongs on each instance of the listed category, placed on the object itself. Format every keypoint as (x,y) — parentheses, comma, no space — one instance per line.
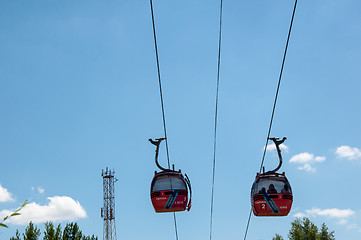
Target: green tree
(305,230)
(17,236)
(90,237)
(31,232)
(51,233)
(277,237)
(72,232)
(324,234)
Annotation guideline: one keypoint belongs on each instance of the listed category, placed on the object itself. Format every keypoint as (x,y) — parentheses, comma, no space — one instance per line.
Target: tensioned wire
(162,104)
(274,104)
(215,117)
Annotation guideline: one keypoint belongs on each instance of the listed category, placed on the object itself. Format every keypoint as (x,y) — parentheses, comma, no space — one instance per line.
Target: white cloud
(320,159)
(307,167)
(299,215)
(41,190)
(353,227)
(341,214)
(348,153)
(272,147)
(306,160)
(331,212)
(60,208)
(5,196)
(342,221)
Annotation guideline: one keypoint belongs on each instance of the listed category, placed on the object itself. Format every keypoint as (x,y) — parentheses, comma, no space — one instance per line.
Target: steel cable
(274,103)
(215,117)
(162,104)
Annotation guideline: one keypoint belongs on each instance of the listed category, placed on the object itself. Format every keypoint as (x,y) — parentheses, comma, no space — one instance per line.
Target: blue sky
(78,93)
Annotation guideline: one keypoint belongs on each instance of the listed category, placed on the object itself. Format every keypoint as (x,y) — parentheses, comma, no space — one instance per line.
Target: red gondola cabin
(169,192)
(271,195)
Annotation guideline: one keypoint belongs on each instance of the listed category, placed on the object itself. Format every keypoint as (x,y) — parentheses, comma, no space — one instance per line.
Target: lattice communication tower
(108,209)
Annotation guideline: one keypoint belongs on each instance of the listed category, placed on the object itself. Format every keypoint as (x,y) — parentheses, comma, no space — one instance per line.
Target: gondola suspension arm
(157,142)
(277,142)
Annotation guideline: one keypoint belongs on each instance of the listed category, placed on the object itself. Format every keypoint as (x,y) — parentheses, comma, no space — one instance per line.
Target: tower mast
(108,209)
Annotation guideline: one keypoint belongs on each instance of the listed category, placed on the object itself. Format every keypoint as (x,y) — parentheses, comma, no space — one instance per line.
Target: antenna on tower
(108,209)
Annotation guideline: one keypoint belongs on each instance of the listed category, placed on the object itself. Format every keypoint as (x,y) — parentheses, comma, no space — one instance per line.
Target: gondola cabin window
(168,183)
(271,185)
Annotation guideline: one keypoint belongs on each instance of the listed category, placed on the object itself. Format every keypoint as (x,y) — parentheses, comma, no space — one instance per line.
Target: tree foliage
(324,234)
(90,237)
(51,233)
(277,237)
(305,230)
(17,236)
(31,232)
(70,232)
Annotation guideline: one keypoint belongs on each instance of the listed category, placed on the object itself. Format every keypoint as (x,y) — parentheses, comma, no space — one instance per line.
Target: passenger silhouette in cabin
(285,189)
(271,189)
(263,190)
